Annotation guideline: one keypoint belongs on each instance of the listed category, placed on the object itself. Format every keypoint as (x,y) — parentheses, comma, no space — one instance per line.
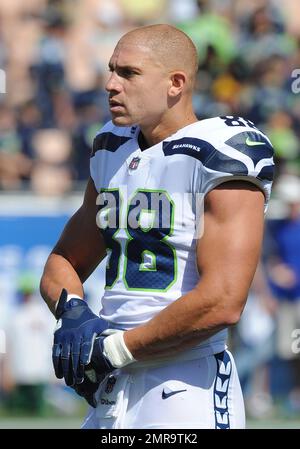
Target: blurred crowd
(54,55)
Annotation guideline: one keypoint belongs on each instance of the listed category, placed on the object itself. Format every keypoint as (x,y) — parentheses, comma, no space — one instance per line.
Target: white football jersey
(150,208)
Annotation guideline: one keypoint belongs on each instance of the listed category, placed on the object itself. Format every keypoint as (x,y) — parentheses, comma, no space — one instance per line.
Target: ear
(177,83)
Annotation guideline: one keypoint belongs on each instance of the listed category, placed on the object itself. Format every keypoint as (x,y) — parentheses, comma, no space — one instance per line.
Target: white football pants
(195,394)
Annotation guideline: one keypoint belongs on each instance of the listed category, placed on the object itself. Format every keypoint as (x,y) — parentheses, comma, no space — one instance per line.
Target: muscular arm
(77,253)
(227,256)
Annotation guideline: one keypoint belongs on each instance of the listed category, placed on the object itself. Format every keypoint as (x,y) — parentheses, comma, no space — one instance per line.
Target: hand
(283,275)
(94,374)
(74,337)
(99,366)
(87,390)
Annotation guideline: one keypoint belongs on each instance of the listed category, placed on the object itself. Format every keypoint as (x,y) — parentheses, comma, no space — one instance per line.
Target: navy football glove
(74,337)
(94,374)
(99,366)
(87,390)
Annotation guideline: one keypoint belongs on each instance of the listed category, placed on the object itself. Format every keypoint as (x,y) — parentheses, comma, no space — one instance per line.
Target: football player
(177,206)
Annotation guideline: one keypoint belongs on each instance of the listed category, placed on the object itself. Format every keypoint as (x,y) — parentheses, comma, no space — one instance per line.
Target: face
(137,86)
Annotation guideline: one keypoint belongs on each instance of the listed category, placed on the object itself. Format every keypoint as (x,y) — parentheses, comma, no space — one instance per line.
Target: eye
(127,73)
(124,72)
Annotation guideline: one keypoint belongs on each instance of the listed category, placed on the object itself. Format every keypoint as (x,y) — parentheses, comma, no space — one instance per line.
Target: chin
(122,121)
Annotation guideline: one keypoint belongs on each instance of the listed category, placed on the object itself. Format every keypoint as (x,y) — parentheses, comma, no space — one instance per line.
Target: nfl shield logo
(110,384)
(134,163)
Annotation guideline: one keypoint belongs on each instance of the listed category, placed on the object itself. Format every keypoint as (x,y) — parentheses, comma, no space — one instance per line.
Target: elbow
(231,311)
(41,286)
(232,317)
(221,308)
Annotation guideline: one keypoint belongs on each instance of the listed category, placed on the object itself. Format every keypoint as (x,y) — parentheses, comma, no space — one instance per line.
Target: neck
(167,126)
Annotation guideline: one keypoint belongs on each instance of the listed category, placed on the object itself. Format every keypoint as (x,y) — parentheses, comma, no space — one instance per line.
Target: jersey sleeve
(246,156)
(106,146)
(100,141)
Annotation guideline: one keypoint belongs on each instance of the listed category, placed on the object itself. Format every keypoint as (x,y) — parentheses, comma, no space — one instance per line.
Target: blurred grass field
(71,417)
(75,423)
(64,410)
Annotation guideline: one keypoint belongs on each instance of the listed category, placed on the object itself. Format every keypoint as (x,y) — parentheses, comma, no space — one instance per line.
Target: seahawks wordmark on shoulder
(223,134)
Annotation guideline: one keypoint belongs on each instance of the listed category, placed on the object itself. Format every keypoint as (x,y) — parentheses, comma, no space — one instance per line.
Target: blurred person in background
(253,339)
(52,169)
(48,69)
(27,364)
(283,268)
(14,166)
(280,128)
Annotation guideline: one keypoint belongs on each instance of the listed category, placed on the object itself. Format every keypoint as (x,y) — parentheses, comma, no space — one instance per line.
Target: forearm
(188,321)
(59,274)
(77,253)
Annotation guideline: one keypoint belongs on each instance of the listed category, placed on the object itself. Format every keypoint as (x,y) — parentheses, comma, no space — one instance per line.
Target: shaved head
(169,46)
(152,75)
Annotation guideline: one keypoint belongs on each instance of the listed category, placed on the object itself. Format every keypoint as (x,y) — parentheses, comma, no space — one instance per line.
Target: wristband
(70,296)
(115,349)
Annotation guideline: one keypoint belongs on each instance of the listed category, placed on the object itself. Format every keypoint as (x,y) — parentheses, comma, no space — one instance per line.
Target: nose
(113,84)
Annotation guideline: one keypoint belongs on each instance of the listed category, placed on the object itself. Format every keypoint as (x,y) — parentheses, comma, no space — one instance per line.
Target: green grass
(273,424)
(75,423)
(40,423)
